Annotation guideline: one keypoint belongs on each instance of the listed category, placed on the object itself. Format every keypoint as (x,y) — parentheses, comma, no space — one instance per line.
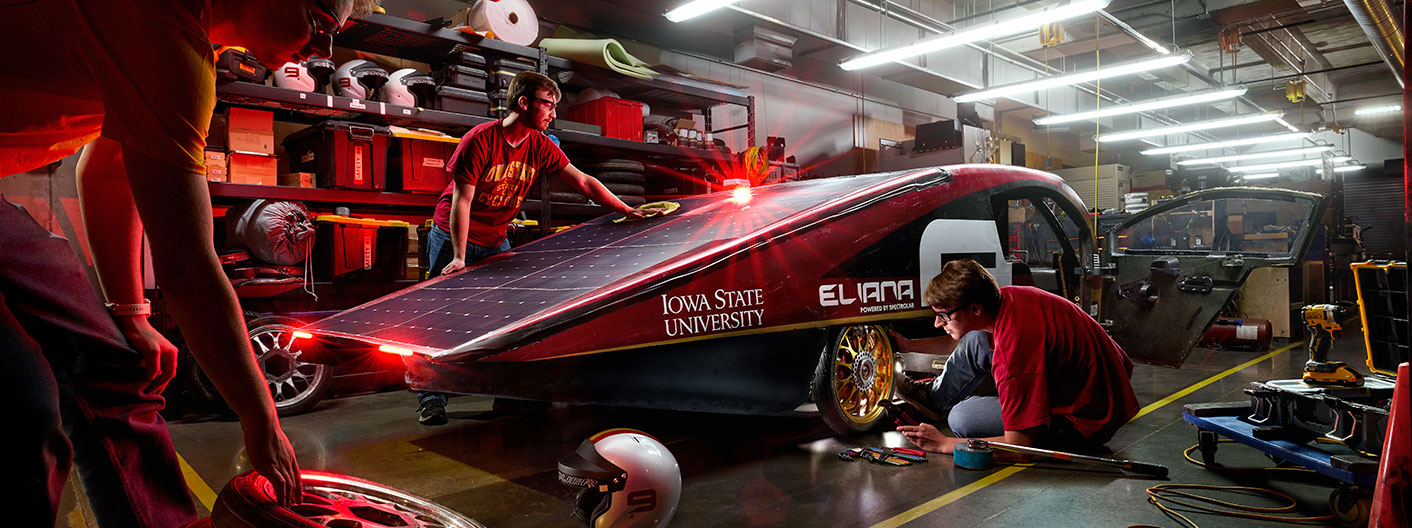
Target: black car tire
(848,385)
(631,178)
(624,188)
(567,197)
(618,165)
(329,499)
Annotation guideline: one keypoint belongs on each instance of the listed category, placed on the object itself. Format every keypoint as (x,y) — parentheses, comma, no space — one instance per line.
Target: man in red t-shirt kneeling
(1029,368)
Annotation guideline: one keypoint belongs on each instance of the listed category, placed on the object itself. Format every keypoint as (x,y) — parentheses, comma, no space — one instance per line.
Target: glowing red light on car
(394,350)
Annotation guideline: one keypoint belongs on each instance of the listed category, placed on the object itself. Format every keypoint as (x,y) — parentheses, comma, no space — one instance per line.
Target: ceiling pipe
(1380,25)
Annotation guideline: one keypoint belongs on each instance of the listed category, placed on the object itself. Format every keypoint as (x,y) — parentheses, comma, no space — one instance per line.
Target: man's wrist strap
(127,310)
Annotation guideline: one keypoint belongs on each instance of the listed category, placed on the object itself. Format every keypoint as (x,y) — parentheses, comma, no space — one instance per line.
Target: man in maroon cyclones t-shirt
(492,169)
(1059,380)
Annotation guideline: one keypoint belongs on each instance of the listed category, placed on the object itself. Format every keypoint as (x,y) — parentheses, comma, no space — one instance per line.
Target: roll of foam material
(968,457)
(512,21)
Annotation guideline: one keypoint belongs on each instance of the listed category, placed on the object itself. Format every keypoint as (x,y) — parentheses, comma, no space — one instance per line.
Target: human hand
(456,264)
(159,356)
(903,344)
(634,214)
(928,437)
(273,458)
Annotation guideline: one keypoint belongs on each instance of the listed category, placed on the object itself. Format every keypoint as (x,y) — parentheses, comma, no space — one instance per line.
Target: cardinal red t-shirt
(502,175)
(1054,362)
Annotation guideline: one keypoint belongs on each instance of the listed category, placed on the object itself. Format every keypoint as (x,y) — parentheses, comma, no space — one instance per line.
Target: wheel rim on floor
(291,382)
(338,500)
(862,372)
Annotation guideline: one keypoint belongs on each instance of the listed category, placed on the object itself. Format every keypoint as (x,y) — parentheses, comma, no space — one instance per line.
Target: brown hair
(362,7)
(960,283)
(526,84)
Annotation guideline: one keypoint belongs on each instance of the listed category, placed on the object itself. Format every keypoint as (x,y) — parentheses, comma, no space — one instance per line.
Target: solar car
(763,300)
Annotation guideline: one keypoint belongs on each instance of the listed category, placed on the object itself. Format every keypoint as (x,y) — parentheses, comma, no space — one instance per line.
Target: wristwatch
(125,310)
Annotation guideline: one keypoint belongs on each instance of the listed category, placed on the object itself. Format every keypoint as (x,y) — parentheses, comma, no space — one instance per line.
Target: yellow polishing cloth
(652,209)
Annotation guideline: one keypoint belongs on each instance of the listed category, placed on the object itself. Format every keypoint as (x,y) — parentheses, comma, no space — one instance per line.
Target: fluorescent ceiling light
(992,30)
(1350,168)
(696,8)
(1075,78)
(1191,127)
(1225,144)
(1285,164)
(1373,110)
(1257,155)
(1145,106)
(1286,124)
(1261,176)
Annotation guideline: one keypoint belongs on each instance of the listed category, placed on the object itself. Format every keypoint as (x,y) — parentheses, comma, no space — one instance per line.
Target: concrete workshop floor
(763,471)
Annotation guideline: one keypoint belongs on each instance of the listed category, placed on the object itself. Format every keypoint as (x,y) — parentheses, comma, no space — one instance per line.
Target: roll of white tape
(512,21)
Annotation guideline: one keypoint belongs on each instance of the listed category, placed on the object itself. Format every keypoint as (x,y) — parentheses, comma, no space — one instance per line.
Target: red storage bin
(347,248)
(419,162)
(619,118)
(342,155)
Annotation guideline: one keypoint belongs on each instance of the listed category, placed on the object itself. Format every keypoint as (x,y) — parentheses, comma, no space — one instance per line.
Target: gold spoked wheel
(856,374)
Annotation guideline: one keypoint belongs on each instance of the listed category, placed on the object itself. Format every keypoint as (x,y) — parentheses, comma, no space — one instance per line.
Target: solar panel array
(454,310)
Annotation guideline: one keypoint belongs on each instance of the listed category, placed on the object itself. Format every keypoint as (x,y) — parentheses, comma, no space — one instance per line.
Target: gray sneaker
(432,414)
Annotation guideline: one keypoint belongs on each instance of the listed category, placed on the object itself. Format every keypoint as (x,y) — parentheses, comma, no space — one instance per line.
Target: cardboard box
(253,168)
(217,166)
(250,130)
(297,179)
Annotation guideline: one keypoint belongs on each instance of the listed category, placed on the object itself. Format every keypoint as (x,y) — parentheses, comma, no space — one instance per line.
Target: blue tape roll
(968,457)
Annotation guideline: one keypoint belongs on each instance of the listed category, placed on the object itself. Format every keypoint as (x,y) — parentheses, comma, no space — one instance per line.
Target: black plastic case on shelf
(502,71)
(498,108)
(466,58)
(459,76)
(341,154)
(462,101)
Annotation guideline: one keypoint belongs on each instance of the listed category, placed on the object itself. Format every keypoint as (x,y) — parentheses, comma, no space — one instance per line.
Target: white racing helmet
(408,87)
(308,76)
(626,479)
(358,79)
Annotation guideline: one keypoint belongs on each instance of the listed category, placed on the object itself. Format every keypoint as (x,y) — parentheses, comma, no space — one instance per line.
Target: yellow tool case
(1382,303)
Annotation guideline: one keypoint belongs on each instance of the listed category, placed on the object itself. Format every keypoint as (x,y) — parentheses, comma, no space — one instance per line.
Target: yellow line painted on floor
(934,504)
(1174,397)
(958,494)
(197,485)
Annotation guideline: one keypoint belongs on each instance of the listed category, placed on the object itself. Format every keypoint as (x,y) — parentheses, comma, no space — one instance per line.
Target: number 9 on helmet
(626,479)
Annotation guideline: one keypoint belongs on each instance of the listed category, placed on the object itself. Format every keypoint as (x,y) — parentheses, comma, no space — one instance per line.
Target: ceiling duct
(1379,24)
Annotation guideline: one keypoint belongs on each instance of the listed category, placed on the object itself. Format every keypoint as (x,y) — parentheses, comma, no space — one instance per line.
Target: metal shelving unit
(430,42)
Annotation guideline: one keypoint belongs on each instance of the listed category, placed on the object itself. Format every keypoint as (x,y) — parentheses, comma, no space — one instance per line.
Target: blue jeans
(966,393)
(965,390)
(75,393)
(440,254)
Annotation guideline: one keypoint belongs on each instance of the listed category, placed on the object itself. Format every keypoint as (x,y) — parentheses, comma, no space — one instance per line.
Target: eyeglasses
(552,104)
(945,317)
(327,25)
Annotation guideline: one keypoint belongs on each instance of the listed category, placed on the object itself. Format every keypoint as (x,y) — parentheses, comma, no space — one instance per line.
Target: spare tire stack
(624,178)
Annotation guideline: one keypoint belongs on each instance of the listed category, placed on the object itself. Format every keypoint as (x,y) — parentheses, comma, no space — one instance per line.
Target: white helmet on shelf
(310,75)
(408,87)
(358,79)
(626,479)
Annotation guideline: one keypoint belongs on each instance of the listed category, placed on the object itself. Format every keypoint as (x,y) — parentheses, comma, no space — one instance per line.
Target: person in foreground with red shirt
(492,169)
(132,83)
(1060,382)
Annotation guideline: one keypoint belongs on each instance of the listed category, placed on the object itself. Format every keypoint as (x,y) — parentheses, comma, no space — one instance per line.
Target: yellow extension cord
(1167,492)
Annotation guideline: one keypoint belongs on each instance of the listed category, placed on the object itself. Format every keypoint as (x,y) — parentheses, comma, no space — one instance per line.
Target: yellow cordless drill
(1323,323)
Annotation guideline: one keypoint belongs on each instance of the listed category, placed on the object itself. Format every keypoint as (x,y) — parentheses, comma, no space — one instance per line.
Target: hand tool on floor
(1322,320)
(1130,466)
